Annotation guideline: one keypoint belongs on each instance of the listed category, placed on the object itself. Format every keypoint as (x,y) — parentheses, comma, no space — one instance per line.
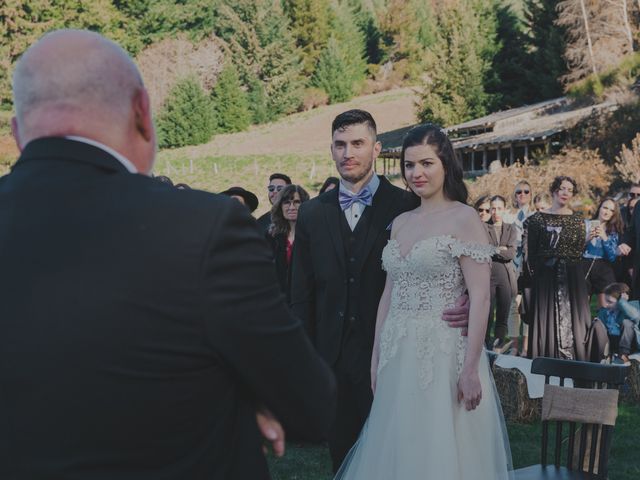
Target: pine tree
(457,68)
(187,117)
(257,101)
(546,46)
(329,74)
(230,102)
(310,26)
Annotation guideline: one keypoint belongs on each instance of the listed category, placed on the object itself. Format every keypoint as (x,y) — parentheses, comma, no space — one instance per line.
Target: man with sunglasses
(277,181)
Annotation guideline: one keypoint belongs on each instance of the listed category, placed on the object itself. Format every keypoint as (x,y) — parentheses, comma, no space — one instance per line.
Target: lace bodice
(425,282)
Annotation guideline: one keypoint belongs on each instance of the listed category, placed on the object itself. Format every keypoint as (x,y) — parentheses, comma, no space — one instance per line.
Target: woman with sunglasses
(483,206)
(603,235)
(559,315)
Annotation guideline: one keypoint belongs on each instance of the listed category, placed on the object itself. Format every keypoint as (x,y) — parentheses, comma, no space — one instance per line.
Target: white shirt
(355,211)
(121,158)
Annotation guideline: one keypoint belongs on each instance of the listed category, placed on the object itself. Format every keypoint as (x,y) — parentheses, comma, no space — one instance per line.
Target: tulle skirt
(416,432)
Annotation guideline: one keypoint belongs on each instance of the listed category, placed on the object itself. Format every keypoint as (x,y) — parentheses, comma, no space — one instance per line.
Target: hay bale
(630,392)
(514,397)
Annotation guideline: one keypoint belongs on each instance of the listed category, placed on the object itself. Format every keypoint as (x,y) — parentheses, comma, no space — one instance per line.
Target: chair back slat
(572,439)
(595,435)
(543,450)
(558,444)
(582,449)
(585,371)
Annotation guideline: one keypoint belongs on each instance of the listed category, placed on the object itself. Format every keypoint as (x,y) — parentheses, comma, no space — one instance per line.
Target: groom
(337,270)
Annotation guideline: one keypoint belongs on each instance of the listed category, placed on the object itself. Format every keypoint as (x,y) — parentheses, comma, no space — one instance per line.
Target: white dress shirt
(121,158)
(355,211)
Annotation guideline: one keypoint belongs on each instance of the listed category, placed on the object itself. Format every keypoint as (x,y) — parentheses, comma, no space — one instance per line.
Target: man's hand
(624,249)
(458,315)
(272,431)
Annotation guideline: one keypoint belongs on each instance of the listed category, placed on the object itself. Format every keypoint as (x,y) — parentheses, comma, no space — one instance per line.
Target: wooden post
(512,154)
(526,151)
(473,158)
(484,158)
(499,154)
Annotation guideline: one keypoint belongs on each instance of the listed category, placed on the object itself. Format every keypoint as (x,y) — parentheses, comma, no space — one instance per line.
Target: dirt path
(307,132)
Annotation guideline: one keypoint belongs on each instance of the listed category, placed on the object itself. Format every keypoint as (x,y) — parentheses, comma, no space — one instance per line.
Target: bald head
(75,82)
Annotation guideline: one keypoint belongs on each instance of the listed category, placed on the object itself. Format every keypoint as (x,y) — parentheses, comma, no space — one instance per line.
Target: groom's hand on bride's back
(458,315)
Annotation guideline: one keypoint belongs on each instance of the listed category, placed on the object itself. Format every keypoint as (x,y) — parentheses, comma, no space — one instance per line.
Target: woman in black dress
(282,231)
(560,313)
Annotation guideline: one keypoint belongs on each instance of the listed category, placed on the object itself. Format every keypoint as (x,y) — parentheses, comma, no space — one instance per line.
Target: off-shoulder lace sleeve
(480,252)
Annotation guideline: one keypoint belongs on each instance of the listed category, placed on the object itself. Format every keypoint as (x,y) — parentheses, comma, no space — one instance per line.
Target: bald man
(141,326)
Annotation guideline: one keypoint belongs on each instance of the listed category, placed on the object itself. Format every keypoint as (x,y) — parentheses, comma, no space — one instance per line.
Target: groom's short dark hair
(354,117)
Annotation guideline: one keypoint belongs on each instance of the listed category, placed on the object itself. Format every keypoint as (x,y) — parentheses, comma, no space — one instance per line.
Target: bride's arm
(383,310)
(477,276)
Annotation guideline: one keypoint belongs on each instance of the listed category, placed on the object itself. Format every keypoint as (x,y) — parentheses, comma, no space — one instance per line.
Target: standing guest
(337,276)
(601,249)
(329,184)
(277,181)
(483,206)
(245,197)
(503,274)
(624,272)
(542,201)
(521,202)
(282,232)
(634,193)
(139,338)
(560,314)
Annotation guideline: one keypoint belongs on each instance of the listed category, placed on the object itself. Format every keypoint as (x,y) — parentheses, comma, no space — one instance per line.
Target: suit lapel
(332,212)
(492,234)
(382,207)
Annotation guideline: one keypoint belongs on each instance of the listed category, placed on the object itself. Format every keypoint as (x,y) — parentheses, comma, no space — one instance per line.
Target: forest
(215,66)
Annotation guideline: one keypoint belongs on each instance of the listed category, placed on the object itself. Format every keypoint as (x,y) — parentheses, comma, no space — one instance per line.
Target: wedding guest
(483,206)
(277,181)
(624,266)
(282,232)
(503,274)
(146,329)
(542,201)
(621,318)
(329,184)
(560,313)
(522,204)
(164,179)
(245,197)
(625,211)
(601,249)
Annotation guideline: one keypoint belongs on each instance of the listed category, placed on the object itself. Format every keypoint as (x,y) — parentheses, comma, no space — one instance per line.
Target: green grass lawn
(311,462)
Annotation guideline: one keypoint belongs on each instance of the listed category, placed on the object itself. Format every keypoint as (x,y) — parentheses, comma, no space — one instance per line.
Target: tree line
(221,65)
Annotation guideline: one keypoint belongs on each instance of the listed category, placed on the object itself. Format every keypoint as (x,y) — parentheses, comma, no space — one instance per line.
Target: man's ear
(377,148)
(16,133)
(142,114)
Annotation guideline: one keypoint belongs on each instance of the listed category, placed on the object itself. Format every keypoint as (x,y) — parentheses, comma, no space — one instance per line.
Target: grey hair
(103,78)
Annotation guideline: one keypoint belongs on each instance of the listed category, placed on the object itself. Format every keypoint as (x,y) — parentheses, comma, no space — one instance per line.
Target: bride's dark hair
(433,135)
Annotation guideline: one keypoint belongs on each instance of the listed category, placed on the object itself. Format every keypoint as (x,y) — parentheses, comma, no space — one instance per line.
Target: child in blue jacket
(621,317)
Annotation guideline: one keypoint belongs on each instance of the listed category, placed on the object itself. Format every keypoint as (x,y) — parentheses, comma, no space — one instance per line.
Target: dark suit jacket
(318,285)
(632,238)
(264,221)
(139,327)
(502,267)
(278,245)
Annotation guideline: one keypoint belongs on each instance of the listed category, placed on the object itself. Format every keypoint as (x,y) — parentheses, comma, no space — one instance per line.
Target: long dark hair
(430,134)
(279,224)
(615,224)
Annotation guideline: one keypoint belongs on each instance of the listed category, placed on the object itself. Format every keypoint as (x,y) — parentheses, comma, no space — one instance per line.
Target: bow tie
(347,199)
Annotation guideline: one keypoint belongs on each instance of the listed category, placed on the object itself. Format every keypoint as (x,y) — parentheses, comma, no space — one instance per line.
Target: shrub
(230,102)
(314,97)
(187,117)
(627,163)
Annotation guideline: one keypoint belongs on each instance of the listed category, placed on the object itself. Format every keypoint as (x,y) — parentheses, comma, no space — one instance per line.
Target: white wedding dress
(417,429)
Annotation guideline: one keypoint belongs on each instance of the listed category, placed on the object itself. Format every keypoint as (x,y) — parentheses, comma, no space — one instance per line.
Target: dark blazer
(278,245)
(264,221)
(502,267)
(632,238)
(318,287)
(138,325)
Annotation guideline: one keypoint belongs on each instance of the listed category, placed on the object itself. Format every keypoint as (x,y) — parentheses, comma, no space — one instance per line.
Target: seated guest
(621,318)
(277,181)
(245,197)
(329,184)
(503,274)
(282,232)
(146,328)
(603,233)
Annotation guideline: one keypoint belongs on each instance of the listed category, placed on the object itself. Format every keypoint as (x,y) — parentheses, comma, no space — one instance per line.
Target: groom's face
(354,149)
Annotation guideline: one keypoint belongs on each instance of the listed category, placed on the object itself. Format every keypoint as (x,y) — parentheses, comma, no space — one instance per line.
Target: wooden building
(509,136)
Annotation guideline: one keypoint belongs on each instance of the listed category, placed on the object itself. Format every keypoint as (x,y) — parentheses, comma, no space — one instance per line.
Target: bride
(435,413)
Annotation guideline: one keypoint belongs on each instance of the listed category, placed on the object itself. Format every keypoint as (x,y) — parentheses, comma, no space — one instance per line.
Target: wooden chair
(590,409)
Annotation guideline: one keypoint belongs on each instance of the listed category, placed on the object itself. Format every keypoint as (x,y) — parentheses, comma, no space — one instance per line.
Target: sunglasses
(634,195)
(275,188)
(484,210)
(526,192)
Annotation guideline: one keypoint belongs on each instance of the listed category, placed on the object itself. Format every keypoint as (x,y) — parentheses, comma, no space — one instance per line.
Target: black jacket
(140,326)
